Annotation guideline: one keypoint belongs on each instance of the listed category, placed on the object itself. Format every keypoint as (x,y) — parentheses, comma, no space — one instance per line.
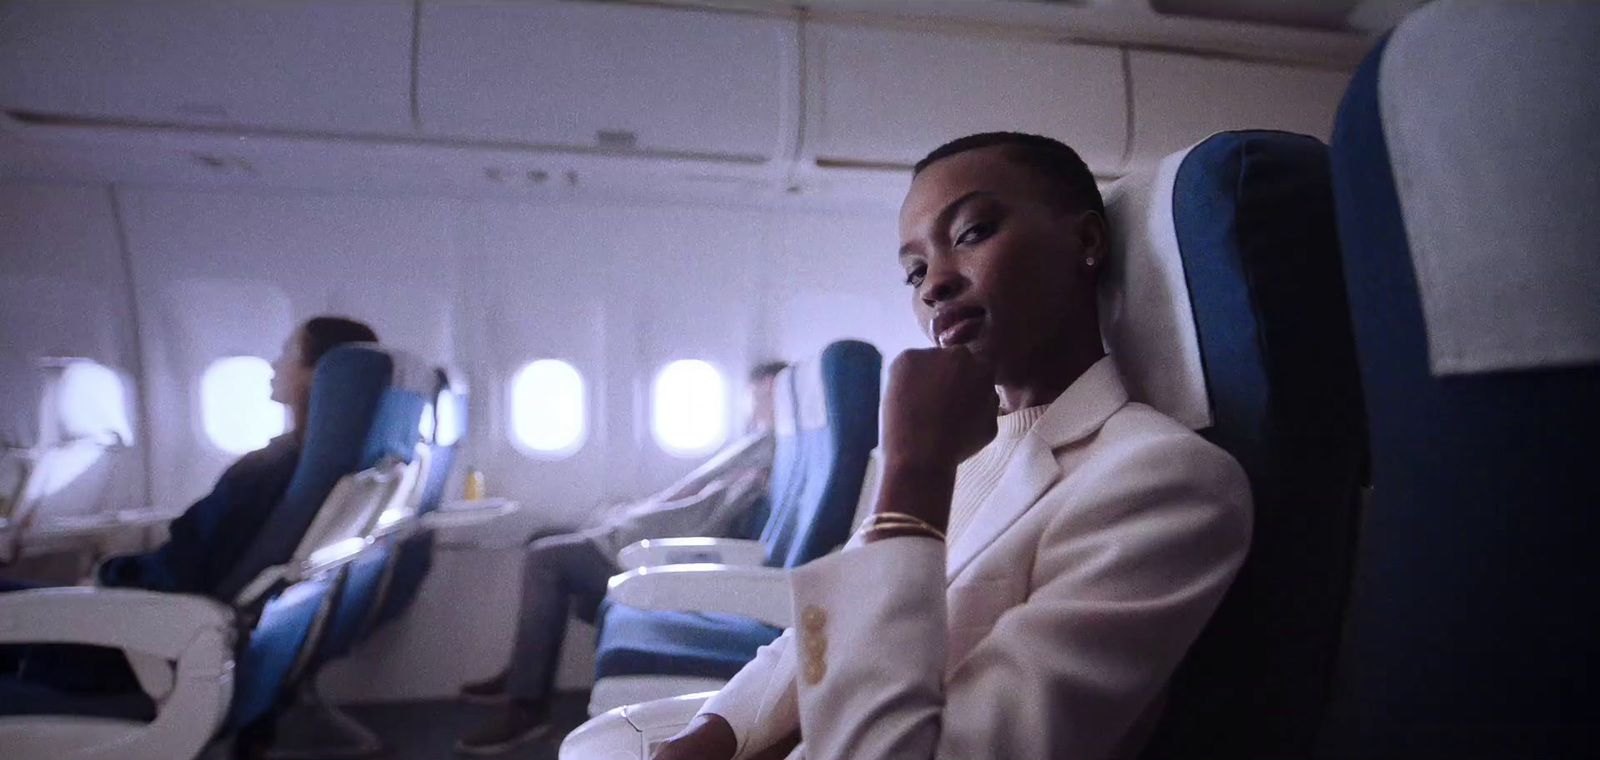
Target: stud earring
(1089,261)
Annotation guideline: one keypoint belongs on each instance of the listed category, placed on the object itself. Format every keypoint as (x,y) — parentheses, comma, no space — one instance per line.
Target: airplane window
(547,409)
(690,405)
(236,406)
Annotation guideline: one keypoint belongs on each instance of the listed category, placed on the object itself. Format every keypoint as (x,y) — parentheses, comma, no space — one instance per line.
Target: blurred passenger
(215,531)
(209,536)
(557,569)
(1089,537)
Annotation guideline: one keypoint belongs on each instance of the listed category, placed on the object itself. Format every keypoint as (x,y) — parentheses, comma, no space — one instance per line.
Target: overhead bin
(1179,100)
(332,65)
(611,78)
(886,97)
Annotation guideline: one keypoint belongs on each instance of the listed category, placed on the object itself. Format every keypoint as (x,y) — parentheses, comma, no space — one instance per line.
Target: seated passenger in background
(215,531)
(707,502)
(211,534)
(1089,537)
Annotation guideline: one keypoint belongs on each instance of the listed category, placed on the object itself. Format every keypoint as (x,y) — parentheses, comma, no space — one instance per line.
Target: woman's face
(996,259)
(291,378)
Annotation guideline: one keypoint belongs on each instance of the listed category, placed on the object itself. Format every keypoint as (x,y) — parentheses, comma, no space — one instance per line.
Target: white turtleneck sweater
(977,477)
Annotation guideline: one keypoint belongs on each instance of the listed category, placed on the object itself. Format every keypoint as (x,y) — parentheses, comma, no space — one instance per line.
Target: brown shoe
(513,726)
(491,692)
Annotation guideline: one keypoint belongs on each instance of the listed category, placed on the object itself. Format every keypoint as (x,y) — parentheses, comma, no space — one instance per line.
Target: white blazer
(1047,631)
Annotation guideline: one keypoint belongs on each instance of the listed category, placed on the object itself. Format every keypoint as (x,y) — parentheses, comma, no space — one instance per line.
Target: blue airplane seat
(378,585)
(1224,304)
(366,405)
(827,426)
(1465,174)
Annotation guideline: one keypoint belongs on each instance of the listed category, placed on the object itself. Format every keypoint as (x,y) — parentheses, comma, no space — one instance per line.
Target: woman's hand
(940,410)
(708,737)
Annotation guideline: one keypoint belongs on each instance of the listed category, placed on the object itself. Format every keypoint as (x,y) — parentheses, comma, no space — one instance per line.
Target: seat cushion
(635,642)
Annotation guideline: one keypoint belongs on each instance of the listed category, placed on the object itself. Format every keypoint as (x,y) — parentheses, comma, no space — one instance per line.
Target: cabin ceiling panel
(608,78)
(319,65)
(883,96)
(1179,100)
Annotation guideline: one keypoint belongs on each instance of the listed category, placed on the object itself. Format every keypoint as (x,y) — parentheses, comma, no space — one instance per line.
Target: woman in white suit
(1028,582)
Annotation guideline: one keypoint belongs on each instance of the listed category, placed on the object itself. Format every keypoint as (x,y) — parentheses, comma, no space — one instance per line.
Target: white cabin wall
(837,275)
(616,290)
(830,110)
(222,274)
(64,293)
(619,290)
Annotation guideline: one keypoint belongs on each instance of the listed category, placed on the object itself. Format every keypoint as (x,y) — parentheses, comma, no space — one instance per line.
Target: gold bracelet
(901,520)
(906,530)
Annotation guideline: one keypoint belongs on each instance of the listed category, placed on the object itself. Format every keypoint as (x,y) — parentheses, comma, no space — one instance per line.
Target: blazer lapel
(1077,413)
(1032,470)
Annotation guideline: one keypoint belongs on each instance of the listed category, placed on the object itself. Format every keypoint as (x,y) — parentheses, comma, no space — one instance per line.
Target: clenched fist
(940,409)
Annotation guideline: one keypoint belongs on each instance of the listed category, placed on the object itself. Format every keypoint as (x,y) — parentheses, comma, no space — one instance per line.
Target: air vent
(616,139)
(824,162)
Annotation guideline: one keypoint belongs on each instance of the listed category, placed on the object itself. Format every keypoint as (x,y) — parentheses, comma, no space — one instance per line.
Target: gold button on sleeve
(815,670)
(813,618)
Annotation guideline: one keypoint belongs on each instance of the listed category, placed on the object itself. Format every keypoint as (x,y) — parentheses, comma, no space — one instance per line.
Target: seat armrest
(491,524)
(691,551)
(754,592)
(330,557)
(468,513)
(632,731)
(333,556)
(192,698)
(160,624)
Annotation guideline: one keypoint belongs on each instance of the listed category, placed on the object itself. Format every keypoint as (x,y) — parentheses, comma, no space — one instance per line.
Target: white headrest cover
(1491,113)
(812,407)
(1145,312)
(783,411)
(411,373)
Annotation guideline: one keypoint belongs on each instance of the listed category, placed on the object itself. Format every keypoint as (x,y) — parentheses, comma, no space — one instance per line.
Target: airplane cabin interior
(447,294)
